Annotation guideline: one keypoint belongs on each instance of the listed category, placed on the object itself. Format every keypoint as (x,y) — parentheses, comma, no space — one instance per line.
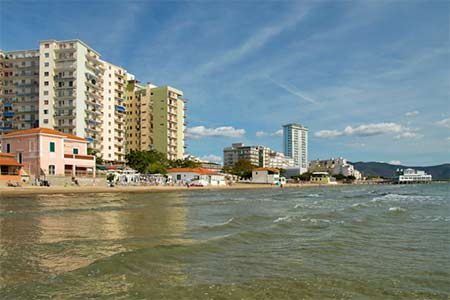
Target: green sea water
(350,242)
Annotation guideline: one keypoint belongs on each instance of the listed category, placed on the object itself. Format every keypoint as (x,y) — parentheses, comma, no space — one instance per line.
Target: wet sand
(136,189)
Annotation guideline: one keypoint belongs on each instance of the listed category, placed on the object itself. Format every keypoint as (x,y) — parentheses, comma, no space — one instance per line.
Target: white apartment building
(279,160)
(334,166)
(295,144)
(19,90)
(71,89)
(411,176)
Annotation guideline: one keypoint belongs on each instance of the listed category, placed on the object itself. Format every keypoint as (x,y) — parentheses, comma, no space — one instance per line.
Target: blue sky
(370,79)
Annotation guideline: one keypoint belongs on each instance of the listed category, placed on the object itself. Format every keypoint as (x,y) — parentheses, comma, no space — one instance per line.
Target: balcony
(28,94)
(62,67)
(92,129)
(66,77)
(79,156)
(64,116)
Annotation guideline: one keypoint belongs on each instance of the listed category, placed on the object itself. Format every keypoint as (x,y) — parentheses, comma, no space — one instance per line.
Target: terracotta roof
(6,155)
(45,130)
(201,171)
(8,162)
(268,169)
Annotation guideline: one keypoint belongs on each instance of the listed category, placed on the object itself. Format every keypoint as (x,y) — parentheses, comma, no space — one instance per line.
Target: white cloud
(395,162)
(412,113)
(225,131)
(263,133)
(370,130)
(328,134)
(444,123)
(212,158)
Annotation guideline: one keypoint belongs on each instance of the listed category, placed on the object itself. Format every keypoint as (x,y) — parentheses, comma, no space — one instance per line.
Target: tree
(282,172)
(305,176)
(98,156)
(243,168)
(147,161)
(183,163)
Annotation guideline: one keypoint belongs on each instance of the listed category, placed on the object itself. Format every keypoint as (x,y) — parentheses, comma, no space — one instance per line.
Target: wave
(396,209)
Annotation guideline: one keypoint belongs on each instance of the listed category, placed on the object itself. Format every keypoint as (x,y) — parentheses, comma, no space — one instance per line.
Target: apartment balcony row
(93,113)
(94,130)
(65,77)
(65,67)
(93,122)
(97,97)
(26,110)
(59,115)
(26,75)
(27,67)
(65,50)
(25,85)
(93,59)
(94,68)
(92,85)
(65,58)
(65,126)
(28,94)
(120,109)
(60,88)
(79,156)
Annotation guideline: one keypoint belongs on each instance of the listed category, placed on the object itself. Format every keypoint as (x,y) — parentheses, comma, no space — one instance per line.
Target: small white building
(322,178)
(196,176)
(267,175)
(411,176)
(334,166)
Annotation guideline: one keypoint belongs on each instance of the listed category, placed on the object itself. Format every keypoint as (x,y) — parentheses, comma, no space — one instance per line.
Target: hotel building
(19,90)
(295,144)
(260,156)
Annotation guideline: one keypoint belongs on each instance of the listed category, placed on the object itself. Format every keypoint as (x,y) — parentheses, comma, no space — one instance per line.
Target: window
(52,146)
(45,111)
(8,148)
(47,46)
(46,83)
(46,64)
(45,102)
(46,73)
(45,93)
(75,150)
(51,170)
(45,121)
(19,157)
(46,55)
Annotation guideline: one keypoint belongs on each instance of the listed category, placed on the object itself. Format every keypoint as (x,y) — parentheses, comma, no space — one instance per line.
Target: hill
(388,170)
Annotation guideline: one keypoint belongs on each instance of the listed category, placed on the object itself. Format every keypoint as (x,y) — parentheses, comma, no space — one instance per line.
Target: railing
(79,156)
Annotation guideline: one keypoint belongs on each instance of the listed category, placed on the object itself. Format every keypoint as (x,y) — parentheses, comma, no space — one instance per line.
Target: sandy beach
(28,189)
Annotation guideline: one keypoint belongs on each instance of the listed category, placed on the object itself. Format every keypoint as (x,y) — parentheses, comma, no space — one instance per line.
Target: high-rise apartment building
(295,144)
(155,119)
(139,118)
(260,156)
(71,89)
(19,90)
(64,85)
(168,121)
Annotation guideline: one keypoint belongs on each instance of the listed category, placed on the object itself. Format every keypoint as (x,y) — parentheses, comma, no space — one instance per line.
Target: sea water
(343,242)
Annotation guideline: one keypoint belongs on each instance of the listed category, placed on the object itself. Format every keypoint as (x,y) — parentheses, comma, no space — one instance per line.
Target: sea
(340,242)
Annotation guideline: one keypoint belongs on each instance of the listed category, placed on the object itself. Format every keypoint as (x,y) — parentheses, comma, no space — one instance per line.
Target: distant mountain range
(388,170)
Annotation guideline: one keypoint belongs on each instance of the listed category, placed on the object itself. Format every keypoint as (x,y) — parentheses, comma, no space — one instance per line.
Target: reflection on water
(356,242)
(51,234)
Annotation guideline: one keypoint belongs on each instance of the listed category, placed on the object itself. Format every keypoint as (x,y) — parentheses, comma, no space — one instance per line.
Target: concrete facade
(295,144)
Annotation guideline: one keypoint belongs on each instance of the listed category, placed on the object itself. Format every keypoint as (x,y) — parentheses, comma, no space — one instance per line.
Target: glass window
(75,150)
(51,169)
(8,148)
(46,55)
(52,146)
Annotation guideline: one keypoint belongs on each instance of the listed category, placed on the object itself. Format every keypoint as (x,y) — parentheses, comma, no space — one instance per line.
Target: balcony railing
(79,156)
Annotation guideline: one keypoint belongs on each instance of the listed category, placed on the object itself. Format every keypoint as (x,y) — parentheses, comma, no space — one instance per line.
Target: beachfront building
(155,119)
(19,90)
(322,178)
(113,126)
(334,166)
(409,176)
(267,175)
(295,145)
(168,121)
(48,152)
(196,176)
(10,168)
(66,86)
(260,156)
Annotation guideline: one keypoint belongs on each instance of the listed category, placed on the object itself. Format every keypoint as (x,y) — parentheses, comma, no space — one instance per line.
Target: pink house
(44,151)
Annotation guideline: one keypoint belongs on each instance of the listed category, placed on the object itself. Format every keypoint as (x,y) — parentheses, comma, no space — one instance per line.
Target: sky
(370,79)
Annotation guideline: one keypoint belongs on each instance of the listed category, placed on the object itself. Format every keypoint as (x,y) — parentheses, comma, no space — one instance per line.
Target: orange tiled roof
(4,161)
(47,131)
(268,169)
(201,171)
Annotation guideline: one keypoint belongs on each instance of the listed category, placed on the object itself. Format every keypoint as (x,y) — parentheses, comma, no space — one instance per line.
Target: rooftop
(43,131)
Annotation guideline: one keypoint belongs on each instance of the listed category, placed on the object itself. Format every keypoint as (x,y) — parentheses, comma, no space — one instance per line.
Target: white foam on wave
(297,205)
(397,209)
(313,195)
(403,198)
(282,219)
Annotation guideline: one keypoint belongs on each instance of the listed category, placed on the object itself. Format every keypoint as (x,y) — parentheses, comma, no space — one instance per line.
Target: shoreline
(35,190)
